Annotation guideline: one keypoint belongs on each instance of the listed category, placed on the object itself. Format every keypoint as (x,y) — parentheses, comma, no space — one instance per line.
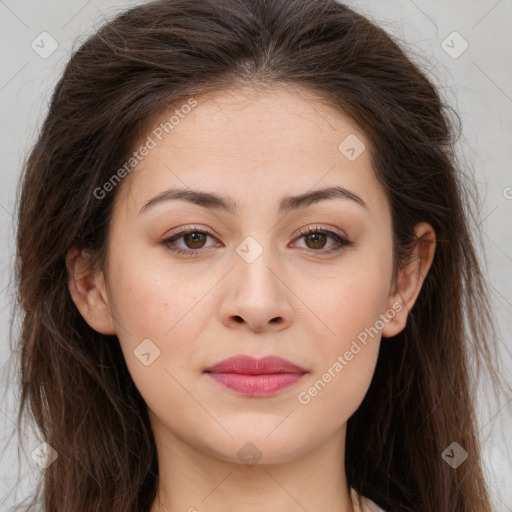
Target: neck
(191,480)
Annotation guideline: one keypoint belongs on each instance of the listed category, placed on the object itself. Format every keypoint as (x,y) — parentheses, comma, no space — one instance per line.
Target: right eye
(194,240)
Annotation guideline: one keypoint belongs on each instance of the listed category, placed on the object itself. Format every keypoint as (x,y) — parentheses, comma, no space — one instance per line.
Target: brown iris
(316,240)
(195,237)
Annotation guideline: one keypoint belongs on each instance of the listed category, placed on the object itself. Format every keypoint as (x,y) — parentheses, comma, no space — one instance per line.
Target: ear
(88,291)
(406,287)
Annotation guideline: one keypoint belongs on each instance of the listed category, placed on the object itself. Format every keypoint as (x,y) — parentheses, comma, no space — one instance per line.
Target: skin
(253,146)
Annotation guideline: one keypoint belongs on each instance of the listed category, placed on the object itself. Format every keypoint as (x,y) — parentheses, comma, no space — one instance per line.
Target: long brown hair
(74,381)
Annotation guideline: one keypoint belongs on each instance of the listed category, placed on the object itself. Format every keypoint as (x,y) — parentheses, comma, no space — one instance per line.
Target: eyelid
(312,228)
(182,230)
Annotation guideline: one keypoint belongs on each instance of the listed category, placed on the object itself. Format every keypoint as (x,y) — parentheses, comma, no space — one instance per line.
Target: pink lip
(256,377)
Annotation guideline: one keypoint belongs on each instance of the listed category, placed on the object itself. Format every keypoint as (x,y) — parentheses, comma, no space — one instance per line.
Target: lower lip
(256,385)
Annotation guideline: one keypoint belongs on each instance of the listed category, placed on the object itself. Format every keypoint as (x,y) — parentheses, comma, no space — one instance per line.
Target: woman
(244,265)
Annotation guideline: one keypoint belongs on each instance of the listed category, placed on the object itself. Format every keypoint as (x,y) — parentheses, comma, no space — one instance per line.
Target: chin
(248,450)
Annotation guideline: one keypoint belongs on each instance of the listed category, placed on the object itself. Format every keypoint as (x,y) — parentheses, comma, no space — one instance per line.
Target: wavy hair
(75,385)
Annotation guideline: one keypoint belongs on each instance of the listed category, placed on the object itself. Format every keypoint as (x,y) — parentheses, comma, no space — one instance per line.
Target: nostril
(238,319)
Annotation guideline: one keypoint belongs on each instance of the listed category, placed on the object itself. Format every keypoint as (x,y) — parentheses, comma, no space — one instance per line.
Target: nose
(257,296)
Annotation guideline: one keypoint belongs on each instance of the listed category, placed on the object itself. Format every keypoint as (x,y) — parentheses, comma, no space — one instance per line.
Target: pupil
(315,238)
(196,237)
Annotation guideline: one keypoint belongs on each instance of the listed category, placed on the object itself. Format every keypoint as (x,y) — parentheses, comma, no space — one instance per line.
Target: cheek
(150,297)
(157,312)
(348,314)
(344,304)
(346,346)
(158,328)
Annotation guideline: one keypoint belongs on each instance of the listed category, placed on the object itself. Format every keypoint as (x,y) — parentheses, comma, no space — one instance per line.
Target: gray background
(477,83)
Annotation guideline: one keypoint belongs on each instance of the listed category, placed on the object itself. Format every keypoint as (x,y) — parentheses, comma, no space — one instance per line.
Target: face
(188,285)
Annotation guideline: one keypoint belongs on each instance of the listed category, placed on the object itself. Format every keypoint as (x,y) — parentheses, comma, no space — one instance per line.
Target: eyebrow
(286,203)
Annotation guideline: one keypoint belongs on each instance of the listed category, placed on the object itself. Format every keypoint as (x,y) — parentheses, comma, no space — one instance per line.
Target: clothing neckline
(368,504)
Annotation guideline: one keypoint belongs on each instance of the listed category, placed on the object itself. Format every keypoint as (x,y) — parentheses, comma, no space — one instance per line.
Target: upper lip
(251,366)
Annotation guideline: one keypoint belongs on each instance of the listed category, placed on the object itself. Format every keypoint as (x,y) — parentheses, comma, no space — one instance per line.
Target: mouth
(255,377)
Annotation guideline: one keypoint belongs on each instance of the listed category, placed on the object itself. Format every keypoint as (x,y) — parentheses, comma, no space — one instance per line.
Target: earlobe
(410,279)
(88,291)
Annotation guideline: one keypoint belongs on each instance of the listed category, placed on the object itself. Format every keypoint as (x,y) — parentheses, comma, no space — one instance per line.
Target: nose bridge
(255,261)
(257,295)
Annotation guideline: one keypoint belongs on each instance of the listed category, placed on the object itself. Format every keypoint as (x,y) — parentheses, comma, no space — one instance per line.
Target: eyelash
(340,241)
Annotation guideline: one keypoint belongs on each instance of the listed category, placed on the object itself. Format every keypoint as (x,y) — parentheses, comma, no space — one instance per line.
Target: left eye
(195,240)
(318,236)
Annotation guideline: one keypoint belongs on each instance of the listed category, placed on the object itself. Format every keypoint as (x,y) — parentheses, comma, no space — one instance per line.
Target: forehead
(284,117)
(253,141)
